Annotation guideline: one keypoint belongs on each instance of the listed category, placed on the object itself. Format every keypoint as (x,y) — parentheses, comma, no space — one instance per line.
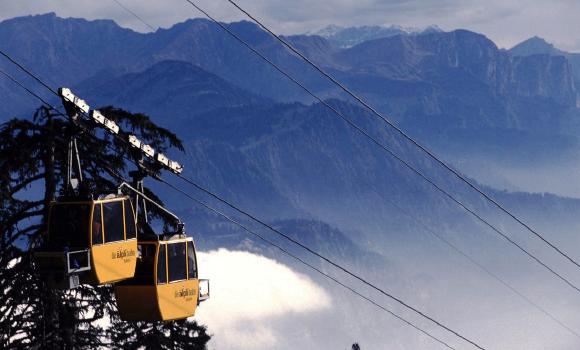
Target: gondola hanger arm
(144,196)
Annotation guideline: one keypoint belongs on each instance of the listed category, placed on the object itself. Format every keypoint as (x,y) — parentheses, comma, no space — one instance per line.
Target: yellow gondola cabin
(166,285)
(91,242)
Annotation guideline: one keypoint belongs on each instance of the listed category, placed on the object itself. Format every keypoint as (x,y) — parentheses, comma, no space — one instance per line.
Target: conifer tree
(33,157)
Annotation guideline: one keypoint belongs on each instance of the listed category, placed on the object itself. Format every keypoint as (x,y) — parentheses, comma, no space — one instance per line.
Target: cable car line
(316,269)
(429,153)
(386,149)
(28,72)
(26,89)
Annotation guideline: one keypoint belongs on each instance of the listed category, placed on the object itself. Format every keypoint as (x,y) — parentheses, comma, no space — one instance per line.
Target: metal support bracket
(203,290)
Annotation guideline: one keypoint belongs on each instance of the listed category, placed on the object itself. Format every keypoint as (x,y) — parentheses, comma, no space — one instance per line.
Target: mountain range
(443,85)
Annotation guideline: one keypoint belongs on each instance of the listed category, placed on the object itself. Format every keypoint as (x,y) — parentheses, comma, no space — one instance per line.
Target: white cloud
(248,292)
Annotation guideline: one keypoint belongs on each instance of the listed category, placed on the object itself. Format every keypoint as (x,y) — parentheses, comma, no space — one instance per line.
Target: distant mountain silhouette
(539,46)
(170,89)
(351,36)
(535,46)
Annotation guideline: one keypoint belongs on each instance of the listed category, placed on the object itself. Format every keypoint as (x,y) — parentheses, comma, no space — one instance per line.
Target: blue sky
(505,22)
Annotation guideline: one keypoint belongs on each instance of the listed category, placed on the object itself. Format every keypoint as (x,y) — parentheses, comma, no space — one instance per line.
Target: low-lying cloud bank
(248,293)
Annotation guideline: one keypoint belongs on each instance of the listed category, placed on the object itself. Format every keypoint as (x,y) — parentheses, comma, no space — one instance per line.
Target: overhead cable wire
(386,149)
(416,143)
(28,72)
(350,273)
(139,18)
(10,77)
(248,230)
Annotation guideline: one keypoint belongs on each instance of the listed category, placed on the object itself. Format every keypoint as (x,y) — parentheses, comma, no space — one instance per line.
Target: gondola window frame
(131,216)
(172,268)
(99,207)
(190,246)
(110,223)
(124,224)
(164,247)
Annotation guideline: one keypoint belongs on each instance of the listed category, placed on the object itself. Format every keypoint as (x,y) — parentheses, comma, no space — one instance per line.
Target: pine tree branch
(22,214)
(25,183)
(23,232)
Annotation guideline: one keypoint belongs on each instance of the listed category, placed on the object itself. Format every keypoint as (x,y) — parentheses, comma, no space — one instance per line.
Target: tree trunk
(49,180)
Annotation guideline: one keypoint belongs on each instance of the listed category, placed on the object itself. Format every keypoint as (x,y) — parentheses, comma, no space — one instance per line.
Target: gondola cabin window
(162,265)
(69,225)
(191,261)
(130,228)
(177,261)
(97,228)
(113,221)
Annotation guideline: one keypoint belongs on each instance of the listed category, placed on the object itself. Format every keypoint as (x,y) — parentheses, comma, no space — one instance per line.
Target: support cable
(139,18)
